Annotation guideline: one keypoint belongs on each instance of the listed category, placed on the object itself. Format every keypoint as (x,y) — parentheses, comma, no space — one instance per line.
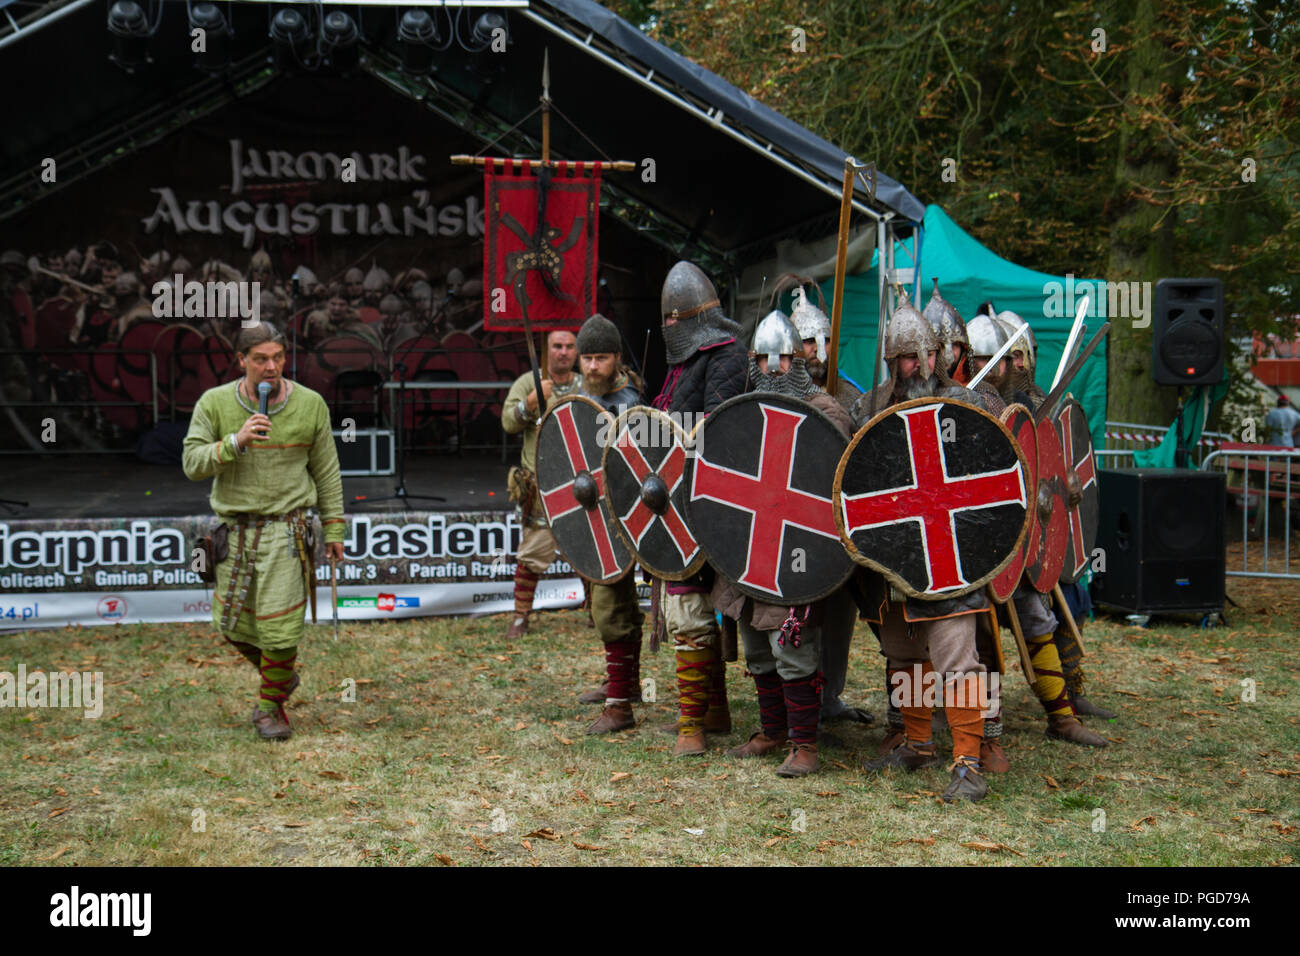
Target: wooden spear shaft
(841,266)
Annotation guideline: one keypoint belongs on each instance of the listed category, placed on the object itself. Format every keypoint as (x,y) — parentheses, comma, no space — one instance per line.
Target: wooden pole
(841,266)
(1067,616)
(1020,643)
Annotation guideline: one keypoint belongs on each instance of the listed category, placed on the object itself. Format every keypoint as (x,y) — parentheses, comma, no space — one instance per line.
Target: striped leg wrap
(525,584)
(771,704)
(694,675)
(803,706)
(1050,686)
(277,672)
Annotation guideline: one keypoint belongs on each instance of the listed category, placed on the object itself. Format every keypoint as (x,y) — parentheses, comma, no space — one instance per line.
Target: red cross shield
(1081,486)
(646,491)
(760,498)
(932,493)
(570,481)
(1020,422)
(1045,557)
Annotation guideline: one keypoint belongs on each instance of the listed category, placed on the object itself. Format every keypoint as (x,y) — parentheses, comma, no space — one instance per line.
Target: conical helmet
(947,324)
(775,336)
(376,280)
(811,322)
(986,336)
(687,292)
(1030,350)
(909,333)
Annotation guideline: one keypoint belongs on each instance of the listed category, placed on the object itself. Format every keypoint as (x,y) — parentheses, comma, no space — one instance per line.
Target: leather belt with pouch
(215,548)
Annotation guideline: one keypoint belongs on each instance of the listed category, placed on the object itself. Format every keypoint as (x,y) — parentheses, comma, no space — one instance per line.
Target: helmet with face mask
(777,337)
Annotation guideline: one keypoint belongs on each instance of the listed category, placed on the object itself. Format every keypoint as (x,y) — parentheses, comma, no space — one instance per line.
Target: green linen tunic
(297,467)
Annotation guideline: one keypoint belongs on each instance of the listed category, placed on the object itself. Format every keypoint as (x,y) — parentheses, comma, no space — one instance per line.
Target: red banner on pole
(553,273)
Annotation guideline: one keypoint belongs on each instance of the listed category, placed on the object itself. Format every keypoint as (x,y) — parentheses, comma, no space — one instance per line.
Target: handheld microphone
(263,396)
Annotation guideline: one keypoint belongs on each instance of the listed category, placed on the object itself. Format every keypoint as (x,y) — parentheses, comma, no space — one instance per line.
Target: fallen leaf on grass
(839,763)
(1284,773)
(55,855)
(1253,810)
(1051,783)
(694,831)
(444,859)
(564,740)
(991,847)
(331,775)
(527,845)
(587,846)
(520,726)
(924,841)
(293,826)
(775,840)
(618,775)
(1136,825)
(546,833)
(60,792)
(58,811)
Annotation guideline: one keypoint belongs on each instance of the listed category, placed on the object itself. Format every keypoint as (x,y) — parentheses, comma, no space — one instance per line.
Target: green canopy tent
(969,273)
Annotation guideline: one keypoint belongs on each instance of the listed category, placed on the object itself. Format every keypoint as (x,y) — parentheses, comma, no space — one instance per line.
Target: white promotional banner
(130,570)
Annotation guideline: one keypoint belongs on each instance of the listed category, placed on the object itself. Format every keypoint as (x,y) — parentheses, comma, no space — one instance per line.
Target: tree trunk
(1142,235)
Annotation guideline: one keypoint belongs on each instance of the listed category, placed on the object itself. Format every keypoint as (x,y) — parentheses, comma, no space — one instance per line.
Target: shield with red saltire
(645,488)
(1020,423)
(554,274)
(933,494)
(760,498)
(1081,485)
(1045,557)
(571,482)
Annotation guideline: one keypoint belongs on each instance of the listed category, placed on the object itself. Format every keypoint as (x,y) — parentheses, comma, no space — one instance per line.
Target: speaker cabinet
(364,451)
(1187,337)
(1162,534)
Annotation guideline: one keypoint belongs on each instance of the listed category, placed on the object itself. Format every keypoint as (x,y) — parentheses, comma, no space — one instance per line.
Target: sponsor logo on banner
(111,608)
(380,602)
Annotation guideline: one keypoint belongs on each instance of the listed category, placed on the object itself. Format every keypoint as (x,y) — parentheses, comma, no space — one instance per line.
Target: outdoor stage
(107,539)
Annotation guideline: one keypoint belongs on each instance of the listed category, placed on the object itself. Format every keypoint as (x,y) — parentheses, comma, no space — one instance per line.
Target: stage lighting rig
(417,36)
(291,38)
(215,56)
(340,42)
(130,30)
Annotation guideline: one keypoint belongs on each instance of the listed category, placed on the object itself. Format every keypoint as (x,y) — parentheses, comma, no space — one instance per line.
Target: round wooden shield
(1045,557)
(1081,484)
(1020,423)
(760,498)
(933,494)
(571,482)
(645,489)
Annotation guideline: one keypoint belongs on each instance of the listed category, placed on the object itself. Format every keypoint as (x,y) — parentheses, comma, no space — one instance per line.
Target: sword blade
(998,355)
(1076,332)
(1050,402)
(334,592)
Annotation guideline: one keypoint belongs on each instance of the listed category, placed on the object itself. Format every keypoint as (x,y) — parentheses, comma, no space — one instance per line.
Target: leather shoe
(689,745)
(613,718)
(272,726)
(518,628)
(1065,727)
(293,686)
(1086,708)
(967,784)
(993,759)
(758,745)
(905,756)
(801,761)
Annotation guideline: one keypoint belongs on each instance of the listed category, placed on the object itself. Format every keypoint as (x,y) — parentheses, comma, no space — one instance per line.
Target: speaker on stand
(1187,340)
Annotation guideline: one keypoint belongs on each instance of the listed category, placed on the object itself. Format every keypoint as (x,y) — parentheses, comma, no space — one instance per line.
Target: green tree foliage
(1108,139)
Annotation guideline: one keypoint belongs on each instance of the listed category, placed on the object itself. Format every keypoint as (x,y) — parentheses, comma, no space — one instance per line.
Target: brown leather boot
(689,745)
(717,719)
(893,738)
(758,745)
(596,695)
(1086,708)
(907,756)
(801,761)
(967,783)
(1066,727)
(993,758)
(273,726)
(613,718)
(518,628)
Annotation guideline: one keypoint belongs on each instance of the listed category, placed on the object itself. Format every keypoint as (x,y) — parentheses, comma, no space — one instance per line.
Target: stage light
(216,36)
(342,46)
(416,35)
(291,38)
(129,28)
(486,26)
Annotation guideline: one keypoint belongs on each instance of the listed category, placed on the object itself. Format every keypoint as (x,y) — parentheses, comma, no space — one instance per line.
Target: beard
(816,370)
(916,386)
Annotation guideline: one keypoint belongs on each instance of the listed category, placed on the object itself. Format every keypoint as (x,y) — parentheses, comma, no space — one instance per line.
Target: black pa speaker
(1187,339)
(1161,532)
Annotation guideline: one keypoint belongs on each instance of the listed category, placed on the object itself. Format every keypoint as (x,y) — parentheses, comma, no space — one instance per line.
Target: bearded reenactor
(787,674)
(614,607)
(918,635)
(353,291)
(707,364)
(519,413)
(267,471)
(1037,620)
(986,338)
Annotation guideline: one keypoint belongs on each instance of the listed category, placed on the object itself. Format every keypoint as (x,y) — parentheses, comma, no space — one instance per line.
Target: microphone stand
(400,493)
